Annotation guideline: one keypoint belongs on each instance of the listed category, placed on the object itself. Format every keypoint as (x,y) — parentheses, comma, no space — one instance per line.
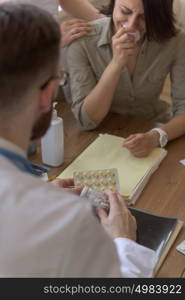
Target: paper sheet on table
(182,162)
(106,151)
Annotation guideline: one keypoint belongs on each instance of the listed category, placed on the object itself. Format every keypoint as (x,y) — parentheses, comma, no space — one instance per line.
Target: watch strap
(163,137)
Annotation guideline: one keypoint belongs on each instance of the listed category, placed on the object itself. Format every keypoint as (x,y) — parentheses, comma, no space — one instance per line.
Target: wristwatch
(163,137)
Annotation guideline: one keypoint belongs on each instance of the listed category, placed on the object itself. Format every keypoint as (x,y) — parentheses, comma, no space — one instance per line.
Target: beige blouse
(89,56)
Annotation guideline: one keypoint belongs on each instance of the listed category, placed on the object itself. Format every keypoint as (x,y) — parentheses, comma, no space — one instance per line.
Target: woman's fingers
(75,30)
(77,22)
(121,32)
(72,30)
(77,35)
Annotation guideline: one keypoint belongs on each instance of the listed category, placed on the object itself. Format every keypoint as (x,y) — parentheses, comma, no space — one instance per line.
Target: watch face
(163,140)
(163,137)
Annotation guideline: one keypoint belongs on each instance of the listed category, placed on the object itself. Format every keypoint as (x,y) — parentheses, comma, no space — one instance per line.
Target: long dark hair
(159,18)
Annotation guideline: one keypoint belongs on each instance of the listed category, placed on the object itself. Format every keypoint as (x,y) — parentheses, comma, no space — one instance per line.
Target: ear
(46,96)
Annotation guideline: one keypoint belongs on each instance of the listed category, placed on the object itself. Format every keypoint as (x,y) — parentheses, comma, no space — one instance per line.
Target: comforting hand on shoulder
(141,144)
(72,30)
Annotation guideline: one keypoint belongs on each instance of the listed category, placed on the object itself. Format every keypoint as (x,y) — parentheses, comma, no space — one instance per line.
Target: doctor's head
(29,64)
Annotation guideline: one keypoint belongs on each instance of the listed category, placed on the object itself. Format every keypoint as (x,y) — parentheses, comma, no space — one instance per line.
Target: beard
(41,126)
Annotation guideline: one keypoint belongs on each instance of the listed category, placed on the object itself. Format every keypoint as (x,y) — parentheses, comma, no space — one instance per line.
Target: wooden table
(164,193)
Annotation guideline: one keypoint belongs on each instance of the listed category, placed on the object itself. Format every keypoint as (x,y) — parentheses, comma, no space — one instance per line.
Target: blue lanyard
(19,161)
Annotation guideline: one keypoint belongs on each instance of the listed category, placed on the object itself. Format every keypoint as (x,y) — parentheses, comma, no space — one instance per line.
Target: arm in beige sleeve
(175,127)
(80,9)
(91,98)
(102,94)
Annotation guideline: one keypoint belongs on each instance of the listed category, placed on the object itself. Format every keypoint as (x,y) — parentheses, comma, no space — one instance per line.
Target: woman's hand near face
(123,46)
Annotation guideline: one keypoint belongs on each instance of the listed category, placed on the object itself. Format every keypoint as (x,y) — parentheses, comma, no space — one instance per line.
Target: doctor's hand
(67,185)
(142,144)
(72,30)
(118,222)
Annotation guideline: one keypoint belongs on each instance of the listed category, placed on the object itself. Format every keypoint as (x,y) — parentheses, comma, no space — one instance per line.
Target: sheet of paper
(181,247)
(182,162)
(107,152)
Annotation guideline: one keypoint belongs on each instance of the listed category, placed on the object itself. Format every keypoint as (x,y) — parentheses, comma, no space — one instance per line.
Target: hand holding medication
(97,198)
(118,222)
(68,185)
(110,206)
(141,144)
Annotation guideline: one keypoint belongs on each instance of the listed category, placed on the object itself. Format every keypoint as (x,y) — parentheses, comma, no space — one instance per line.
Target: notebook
(106,151)
(156,232)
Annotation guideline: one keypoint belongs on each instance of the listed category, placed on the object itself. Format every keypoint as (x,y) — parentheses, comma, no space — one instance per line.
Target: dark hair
(30,47)
(159,18)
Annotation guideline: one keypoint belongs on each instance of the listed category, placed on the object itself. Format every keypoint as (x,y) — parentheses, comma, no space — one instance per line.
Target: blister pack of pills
(97,198)
(98,180)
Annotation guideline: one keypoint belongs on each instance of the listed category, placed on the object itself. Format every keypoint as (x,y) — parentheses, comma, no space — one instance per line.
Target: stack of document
(106,151)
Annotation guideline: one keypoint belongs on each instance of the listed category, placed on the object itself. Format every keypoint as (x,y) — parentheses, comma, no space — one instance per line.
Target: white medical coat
(47,232)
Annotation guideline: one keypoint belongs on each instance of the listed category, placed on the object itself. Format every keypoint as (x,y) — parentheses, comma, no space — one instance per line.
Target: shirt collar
(5,144)
(105,37)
